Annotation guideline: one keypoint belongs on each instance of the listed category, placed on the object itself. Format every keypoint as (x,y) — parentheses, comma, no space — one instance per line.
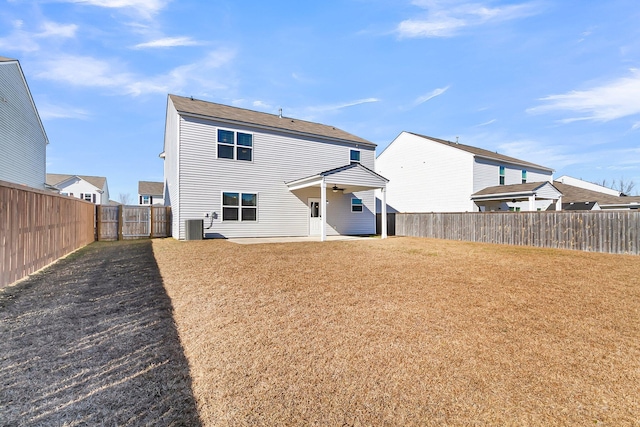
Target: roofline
(434,139)
(529,166)
(33,104)
(531,192)
(289,131)
(329,172)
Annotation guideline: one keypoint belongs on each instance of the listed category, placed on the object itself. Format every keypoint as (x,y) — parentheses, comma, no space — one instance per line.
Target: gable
(478,153)
(11,73)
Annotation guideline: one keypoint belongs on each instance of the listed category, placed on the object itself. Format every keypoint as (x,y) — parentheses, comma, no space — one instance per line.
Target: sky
(553,82)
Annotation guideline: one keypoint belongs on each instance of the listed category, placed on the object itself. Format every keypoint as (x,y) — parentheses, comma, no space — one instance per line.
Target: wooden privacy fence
(616,232)
(38,227)
(133,222)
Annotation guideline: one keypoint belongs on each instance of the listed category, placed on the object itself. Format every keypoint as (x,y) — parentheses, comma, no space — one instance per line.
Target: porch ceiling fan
(335,189)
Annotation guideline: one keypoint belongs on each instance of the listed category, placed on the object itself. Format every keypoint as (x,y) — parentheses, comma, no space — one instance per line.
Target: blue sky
(554,82)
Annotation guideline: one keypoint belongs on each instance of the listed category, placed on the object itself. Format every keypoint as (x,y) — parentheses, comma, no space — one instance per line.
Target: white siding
(171,160)
(486,173)
(426,176)
(22,139)
(76,187)
(277,158)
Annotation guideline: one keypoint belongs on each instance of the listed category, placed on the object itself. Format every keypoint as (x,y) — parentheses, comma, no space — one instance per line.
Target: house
(150,193)
(579,197)
(90,188)
(530,196)
(575,182)
(252,174)
(23,140)
(428,174)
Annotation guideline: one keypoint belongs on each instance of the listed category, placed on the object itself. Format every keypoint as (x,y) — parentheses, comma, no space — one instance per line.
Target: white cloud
(146,8)
(53,29)
(424,98)
(610,101)
(49,111)
(87,71)
(334,107)
(168,42)
(486,123)
(445,18)
(24,41)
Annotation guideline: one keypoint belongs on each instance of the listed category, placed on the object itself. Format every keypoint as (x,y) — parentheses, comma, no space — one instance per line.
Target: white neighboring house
(150,193)
(252,174)
(23,140)
(90,188)
(575,182)
(428,174)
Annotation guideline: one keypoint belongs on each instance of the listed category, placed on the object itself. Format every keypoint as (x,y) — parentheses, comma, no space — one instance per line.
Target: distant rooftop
(56,178)
(151,188)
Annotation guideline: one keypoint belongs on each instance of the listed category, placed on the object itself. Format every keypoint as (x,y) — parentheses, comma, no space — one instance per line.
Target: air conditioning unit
(193,229)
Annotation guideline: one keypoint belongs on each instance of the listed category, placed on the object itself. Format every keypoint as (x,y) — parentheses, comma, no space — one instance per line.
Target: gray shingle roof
(151,188)
(484,153)
(510,189)
(574,194)
(96,181)
(250,117)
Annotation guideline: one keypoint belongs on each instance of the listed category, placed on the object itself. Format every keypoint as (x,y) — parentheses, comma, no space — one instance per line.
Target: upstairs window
(235,145)
(356,205)
(501,175)
(354,156)
(524,176)
(239,207)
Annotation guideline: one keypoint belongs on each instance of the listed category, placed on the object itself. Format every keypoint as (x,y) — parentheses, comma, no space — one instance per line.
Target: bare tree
(124,198)
(623,186)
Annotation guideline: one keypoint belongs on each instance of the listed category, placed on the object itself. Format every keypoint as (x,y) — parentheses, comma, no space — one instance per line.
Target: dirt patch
(91,341)
(406,332)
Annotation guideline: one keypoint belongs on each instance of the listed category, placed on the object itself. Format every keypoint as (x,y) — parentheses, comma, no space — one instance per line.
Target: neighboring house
(575,182)
(150,193)
(252,174)
(527,197)
(90,188)
(433,175)
(23,140)
(574,198)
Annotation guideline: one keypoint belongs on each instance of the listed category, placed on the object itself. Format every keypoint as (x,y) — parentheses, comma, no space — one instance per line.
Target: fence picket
(598,231)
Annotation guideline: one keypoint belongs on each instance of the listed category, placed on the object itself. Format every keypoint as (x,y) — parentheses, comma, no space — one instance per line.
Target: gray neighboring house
(93,189)
(150,193)
(23,140)
(253,174)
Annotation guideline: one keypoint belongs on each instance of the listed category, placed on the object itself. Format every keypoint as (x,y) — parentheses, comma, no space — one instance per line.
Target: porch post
(323,210)
(532,203)
(559,204)
(383,232)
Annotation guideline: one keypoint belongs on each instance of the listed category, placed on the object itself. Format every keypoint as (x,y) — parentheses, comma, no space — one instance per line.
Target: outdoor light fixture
(335,189)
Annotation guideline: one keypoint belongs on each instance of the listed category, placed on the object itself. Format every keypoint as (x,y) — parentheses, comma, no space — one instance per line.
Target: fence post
(98,222)
(153,223)
(120,221)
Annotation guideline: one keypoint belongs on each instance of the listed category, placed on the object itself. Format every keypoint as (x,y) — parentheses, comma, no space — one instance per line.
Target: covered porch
(349,179)
(531,196)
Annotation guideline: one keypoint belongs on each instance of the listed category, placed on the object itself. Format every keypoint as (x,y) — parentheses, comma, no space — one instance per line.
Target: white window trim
(240,193)
(235,145)
(360,156)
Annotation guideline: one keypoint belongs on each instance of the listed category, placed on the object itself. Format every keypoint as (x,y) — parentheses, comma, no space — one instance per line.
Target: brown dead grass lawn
(406,332)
